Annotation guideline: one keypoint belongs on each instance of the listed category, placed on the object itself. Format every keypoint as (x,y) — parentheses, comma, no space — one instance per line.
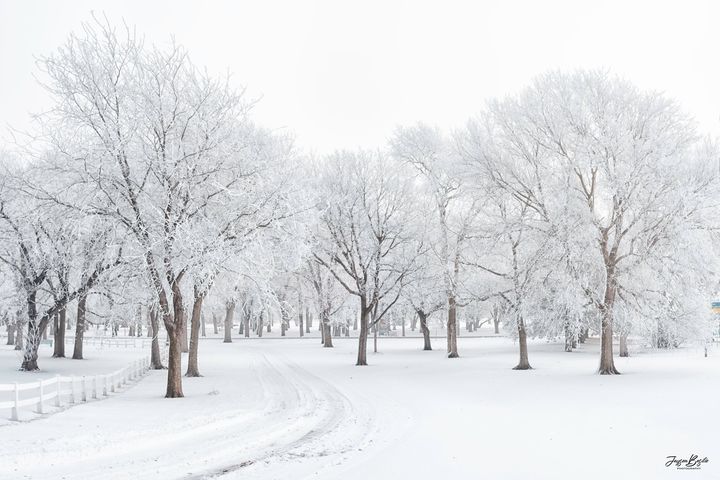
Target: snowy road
(254,411)
(280,409)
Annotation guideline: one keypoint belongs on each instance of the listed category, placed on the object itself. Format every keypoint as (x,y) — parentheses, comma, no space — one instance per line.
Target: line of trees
(580,206)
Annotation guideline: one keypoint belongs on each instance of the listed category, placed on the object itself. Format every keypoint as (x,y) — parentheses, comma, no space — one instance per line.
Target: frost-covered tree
(615,175)
(365,209)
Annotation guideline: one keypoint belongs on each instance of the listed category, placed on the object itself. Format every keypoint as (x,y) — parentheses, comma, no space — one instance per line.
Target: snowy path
(255,410)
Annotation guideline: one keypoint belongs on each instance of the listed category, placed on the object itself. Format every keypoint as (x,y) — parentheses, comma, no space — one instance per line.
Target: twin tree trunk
(175,332)
(80,328)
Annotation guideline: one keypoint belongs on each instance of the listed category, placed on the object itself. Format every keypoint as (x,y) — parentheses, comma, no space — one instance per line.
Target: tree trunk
(80,328)
(362,337)
(246,321)
(59,346)
(623,346)
(413,323)
(174,380)
(452,328)
(375,334)
(184,332)
(300,321)
(568,339)
(403,326)
(260,324)
(229,314)
(174,385)
(607,363)
(524,363)
(308,320)
(30,355)
(10,334)
(19,335)
(327,335)
(193,370)
(425,330)
(155,358)
(215,323)
(202,325)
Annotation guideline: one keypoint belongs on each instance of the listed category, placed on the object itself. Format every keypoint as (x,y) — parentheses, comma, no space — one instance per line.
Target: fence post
(83,389)
(112,382)
(14,414)
(94,389)
(40,399)
(105,385)
(57,387)
(72,389)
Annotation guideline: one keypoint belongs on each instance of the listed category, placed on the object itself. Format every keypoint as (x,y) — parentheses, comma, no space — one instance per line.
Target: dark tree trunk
(30,355)
(59,343)
(193,369)
(215,323)
(174,383)
(155,358)
(229,314)
(413,323)
(403,326)
(452,328)
(425,330)
(246,321)
(260,324)
(362,337)
(524,363)
(80,328)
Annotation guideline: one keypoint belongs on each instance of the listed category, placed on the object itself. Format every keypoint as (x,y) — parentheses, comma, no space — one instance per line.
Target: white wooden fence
(68,390)
(103,342)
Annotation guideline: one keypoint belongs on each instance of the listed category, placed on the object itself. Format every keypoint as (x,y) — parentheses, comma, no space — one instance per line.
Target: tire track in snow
(333,424)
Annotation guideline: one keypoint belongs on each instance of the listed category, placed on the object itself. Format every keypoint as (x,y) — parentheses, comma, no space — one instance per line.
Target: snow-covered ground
(287,408)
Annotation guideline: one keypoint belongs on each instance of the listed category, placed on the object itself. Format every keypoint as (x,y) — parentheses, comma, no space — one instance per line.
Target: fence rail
(72,389)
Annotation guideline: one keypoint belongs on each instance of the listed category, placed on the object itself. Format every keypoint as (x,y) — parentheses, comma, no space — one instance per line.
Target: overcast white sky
(344,74)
